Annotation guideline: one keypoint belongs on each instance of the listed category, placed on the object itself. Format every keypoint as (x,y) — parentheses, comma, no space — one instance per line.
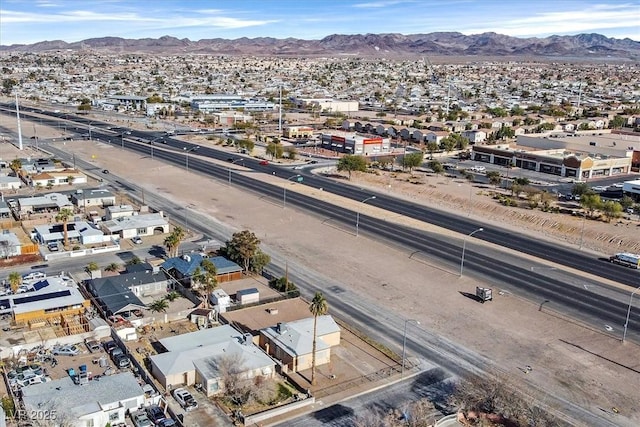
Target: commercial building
(328,105)
(632,189)
(355,143)
(214,103)
(297,132)
(555,161)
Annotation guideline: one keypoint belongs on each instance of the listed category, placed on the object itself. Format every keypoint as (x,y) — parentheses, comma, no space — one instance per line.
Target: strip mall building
(543,155)
(355,143)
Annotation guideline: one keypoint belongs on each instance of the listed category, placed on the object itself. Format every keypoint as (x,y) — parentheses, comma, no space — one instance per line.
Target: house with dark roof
(121,294)
(183,267)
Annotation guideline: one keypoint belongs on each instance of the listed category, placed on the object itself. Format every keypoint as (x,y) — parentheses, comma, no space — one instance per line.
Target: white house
(198,357)
(136,225)
(65,177)
(96,403)
(77,231)
(10,182)
(9,244)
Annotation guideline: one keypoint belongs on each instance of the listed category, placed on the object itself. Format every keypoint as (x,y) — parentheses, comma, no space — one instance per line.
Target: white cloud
(589,19)
(379,4)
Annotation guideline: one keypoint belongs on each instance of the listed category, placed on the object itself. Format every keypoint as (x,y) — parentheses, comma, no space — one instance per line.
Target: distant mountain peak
(375,45)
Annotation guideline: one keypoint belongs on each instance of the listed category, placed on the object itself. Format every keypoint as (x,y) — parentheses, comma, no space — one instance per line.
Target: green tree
(172,296)
(318,307)
(274,150)
(591,202)
(15,280)
(611,209)
(93,266)
(494,178)
(617,122)
(242,247)
(505,132)
(159,306)
(351,163)
(580,189)
(291,153)
(208,278)
(432,147)
(448,143)
(173,240)
(64,216)
(413,160)
(113,267)
(259,261)
(626,202)
(15,165)
(134,261)
(436,166)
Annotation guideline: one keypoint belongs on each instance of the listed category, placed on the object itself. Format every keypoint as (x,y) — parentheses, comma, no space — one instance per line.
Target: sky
(30,21)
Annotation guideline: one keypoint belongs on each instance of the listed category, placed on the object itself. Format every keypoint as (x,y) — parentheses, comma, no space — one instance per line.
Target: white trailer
(626,259)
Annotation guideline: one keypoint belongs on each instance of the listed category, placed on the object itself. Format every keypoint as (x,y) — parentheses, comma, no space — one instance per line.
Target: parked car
(140,419)
(92,345)
(167,422)
(137,240)
(34,275)
(65,350)
(185,399)
(53,247)
(155,414)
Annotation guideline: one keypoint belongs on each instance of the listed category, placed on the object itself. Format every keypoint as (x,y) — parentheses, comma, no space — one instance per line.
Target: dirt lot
(569,360)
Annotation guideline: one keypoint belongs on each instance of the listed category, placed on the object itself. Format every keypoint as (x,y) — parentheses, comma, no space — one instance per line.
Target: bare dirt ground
(568,359)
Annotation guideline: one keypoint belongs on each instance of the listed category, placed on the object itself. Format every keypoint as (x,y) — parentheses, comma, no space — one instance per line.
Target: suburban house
(10,245)
(201,357)
(92,404)
(10,182)
(115,296)
(5,210)
(77,231)
(93,197)
(46,302)
(64,177)
(51,202)
(183,267)
(119,211)
(292,343)
(475,136)
(136,225)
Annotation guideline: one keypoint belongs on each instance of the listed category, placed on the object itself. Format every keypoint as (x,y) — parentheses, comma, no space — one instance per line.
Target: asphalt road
(386,328)
(562,292)
(380,324)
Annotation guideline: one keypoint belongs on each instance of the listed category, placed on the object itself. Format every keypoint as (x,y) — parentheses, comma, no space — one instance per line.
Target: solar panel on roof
(41,297)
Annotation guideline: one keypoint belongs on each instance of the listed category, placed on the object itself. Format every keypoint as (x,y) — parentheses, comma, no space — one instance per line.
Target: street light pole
(404,342)
(358,214)
(284,194)
(186,152)
(236,160)
(464,247)
(626,323)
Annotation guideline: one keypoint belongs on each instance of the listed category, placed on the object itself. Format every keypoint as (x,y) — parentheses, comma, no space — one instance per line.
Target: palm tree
(209,278)
(64,216)
(318,307)
(112,267)
(70,179)
(172,296)
(15,279)
(159,305)
(172,241)
(15,165)
(93,266)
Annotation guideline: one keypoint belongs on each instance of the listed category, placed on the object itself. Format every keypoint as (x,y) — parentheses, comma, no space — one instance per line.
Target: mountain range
(365,45)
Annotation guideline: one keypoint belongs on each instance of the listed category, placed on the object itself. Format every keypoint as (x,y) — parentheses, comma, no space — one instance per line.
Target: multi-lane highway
(510,272)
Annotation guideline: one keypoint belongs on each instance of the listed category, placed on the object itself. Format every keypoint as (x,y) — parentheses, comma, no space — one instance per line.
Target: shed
(248,296)
(220,300)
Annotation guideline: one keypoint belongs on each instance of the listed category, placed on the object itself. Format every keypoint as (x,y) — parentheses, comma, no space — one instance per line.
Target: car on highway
(105,171)
(264,162)
(185,399)
(137,240)
(65,350)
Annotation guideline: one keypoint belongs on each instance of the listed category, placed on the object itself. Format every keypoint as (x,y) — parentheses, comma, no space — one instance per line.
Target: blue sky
(29,21)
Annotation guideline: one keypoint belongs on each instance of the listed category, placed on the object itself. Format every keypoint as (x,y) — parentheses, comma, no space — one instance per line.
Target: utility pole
(280,112)
(19,127)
